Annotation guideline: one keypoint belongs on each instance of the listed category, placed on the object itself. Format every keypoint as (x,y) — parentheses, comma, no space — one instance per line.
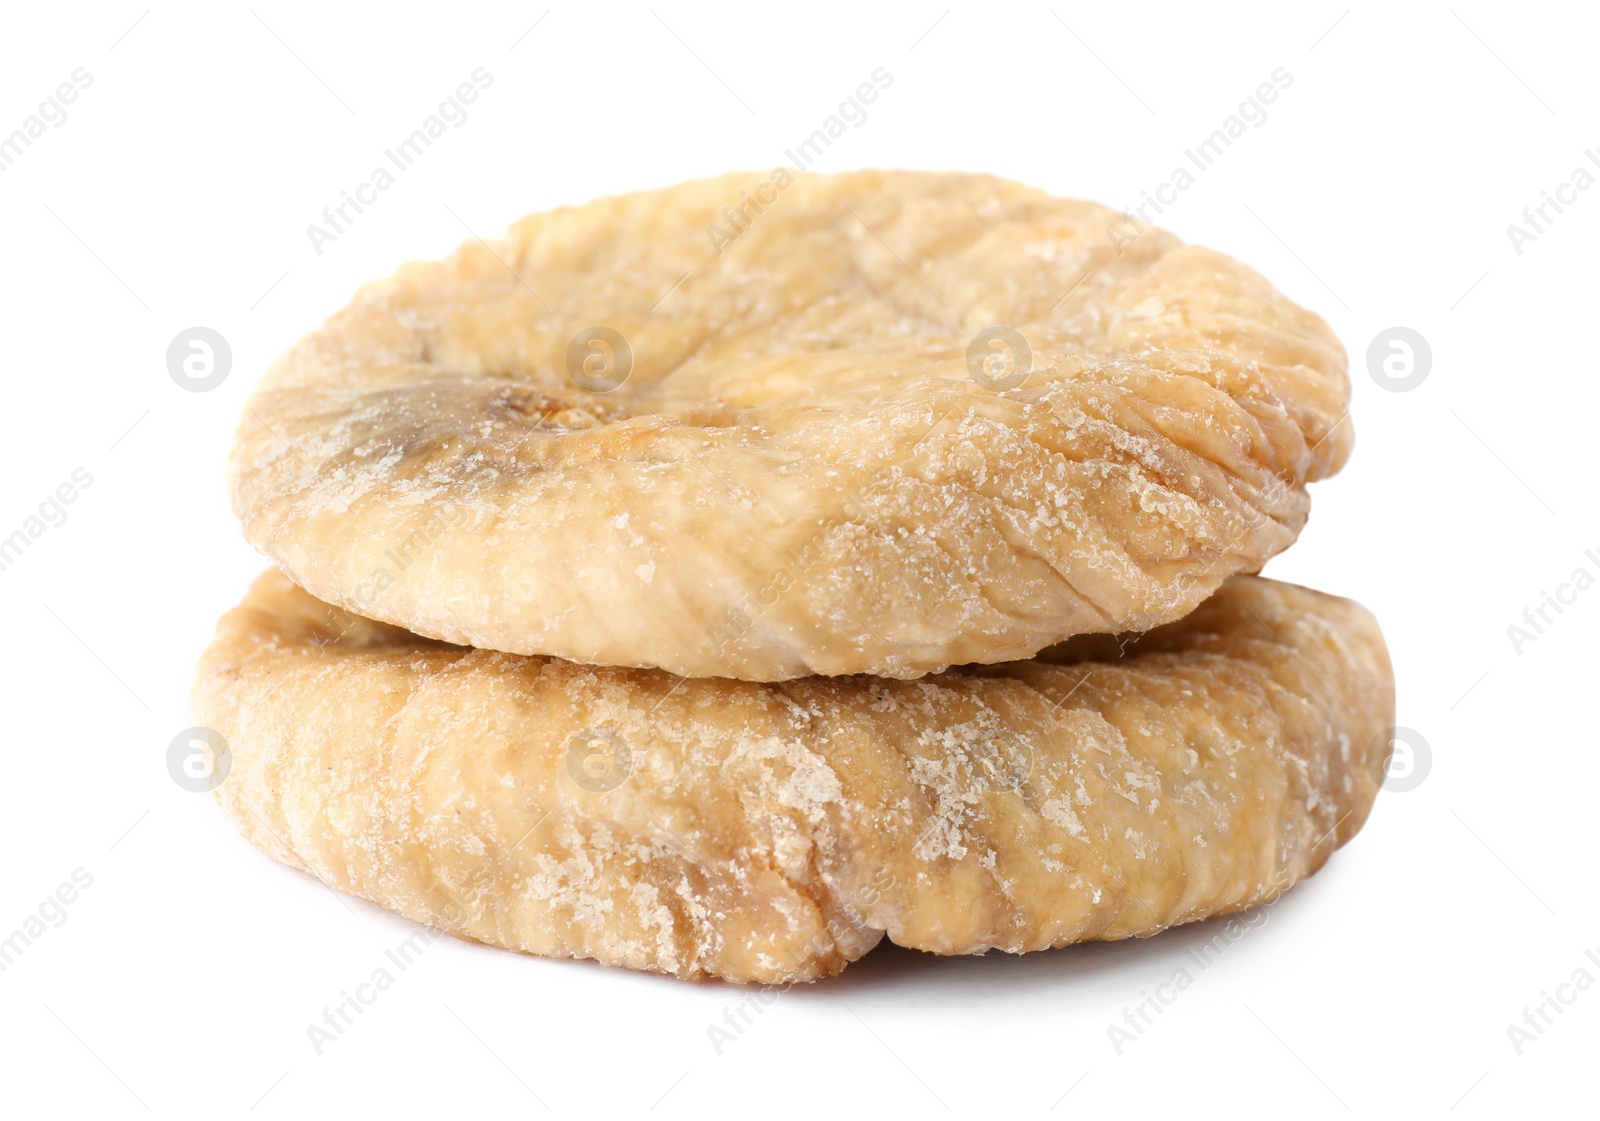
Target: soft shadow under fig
(997,975)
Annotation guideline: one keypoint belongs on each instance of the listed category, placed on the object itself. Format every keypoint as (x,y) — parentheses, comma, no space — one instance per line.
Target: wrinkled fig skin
(775,832)
(799,475)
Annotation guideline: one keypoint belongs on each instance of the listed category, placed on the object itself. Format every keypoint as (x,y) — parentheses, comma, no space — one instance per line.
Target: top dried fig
(768,426)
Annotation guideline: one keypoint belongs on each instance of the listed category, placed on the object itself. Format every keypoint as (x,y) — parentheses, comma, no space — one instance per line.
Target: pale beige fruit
(799,475)
(776,832)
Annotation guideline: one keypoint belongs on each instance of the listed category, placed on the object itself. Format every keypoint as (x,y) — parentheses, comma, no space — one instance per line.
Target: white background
(1378,192)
